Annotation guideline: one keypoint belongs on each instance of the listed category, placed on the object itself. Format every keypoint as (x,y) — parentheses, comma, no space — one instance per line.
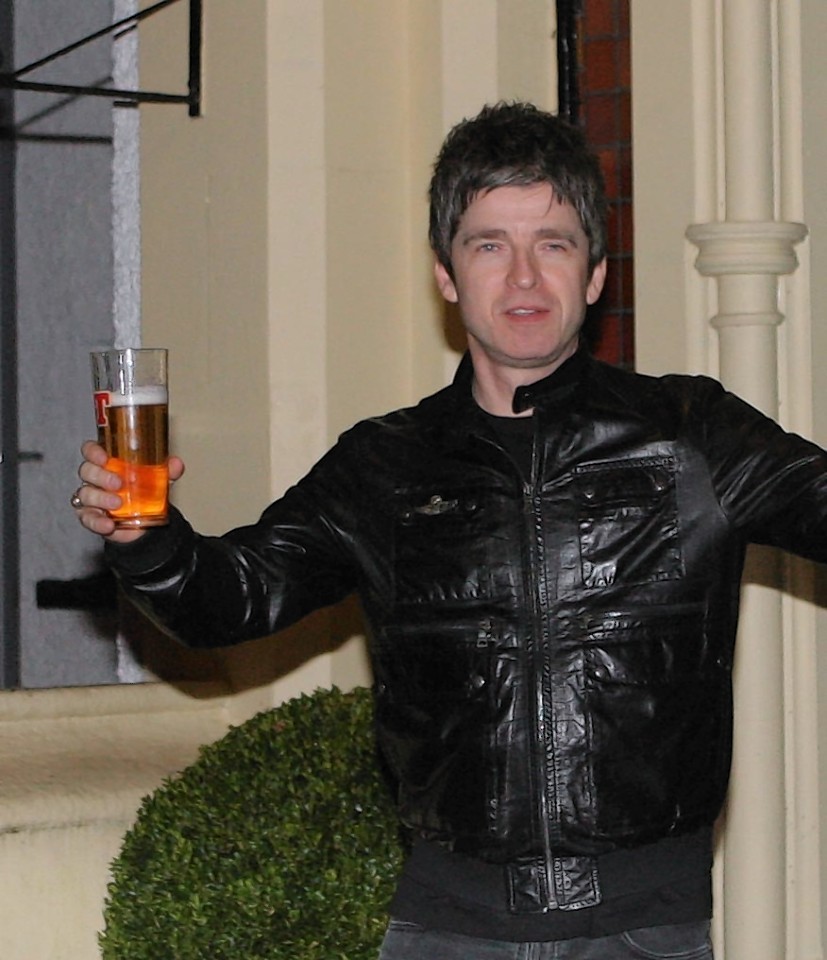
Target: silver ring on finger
(76,502)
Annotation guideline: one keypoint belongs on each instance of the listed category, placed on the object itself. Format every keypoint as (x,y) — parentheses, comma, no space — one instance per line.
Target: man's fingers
(98,493)
(176,469)
(101,523)
(94,452)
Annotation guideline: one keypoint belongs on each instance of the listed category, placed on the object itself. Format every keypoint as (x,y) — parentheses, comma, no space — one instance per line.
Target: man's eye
(489,247)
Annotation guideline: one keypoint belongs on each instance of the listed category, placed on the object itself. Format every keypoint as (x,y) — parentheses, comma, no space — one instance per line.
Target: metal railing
(192,98)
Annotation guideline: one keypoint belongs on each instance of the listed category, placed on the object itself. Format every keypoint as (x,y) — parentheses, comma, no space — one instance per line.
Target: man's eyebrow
(495,233)
(552,233)
(486,233)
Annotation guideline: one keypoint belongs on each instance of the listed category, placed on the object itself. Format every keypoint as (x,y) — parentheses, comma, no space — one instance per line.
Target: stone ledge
(88,755)
(108,700)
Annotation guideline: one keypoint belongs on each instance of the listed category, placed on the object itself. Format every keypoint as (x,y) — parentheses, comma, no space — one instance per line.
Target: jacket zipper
(542,776)
(539,772)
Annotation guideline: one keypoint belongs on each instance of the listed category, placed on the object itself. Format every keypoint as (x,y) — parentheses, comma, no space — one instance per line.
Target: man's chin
(534,361)
(521,359)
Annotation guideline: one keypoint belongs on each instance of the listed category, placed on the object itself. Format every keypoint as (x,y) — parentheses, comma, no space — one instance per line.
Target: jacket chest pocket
(442,545)
(627,514)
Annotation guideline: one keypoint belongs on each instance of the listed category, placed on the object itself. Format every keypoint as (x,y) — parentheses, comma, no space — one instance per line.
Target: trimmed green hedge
(279,841)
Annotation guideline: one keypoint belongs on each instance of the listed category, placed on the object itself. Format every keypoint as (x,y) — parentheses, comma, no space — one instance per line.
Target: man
(548,552)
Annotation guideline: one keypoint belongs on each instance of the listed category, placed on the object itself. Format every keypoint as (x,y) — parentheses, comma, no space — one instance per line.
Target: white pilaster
(746,260)
(746,253)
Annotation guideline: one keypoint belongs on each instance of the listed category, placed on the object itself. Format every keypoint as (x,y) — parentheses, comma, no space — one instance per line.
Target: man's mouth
(525,311)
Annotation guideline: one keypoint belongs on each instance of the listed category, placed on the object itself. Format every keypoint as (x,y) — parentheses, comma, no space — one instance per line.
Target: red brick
(624,171)
(609,165)
(599,66)
(623,54)
(609,342)
(598,17)
(599,113)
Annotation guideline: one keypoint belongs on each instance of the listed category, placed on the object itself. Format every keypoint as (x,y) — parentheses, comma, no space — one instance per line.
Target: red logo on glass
(101,398)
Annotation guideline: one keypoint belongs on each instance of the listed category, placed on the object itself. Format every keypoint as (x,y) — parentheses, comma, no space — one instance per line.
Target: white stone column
(746,260)
(746,254)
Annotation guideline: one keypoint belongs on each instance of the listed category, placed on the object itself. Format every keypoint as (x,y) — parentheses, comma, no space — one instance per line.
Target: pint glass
(130,394)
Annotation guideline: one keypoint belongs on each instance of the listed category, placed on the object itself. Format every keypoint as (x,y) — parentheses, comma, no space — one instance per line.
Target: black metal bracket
(568,66)
(192,98)
(97,592)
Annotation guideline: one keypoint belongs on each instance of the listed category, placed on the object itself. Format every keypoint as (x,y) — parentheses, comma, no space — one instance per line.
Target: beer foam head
(139,397)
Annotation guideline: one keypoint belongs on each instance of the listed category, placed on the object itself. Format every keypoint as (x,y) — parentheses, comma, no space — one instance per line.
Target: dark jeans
(686,941)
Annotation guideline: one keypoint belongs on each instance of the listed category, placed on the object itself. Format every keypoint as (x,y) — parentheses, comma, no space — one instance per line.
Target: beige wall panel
(814,165)
(368,308)
(296,199)
(497,50)
(204,257)
(813,37)
(367,214)
(469,57)
(75,764)
(425,99)
(664,183)
(234,282)
(527,55)
(55,911)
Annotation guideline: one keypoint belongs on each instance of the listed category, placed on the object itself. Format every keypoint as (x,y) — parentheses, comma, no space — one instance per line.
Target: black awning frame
(192,98)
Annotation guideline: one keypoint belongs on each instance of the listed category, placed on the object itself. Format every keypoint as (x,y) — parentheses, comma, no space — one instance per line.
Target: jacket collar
(549,391)
(458,422)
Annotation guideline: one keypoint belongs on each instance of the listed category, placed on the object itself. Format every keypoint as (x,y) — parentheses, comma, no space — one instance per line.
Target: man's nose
(523,272)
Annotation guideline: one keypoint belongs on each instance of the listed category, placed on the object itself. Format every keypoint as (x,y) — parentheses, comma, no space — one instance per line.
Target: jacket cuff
(158,546)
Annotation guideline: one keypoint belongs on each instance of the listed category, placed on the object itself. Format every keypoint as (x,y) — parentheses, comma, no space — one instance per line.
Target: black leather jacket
(552,653)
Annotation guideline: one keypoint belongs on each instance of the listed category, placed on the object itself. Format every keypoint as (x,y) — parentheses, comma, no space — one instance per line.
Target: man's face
(521,279)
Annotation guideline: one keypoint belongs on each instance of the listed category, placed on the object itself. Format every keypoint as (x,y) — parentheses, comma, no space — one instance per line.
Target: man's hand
(99,492)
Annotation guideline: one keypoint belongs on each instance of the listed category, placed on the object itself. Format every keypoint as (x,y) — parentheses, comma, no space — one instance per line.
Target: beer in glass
(131,402)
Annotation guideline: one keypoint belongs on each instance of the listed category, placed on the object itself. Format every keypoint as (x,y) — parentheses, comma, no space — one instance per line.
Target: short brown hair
(515,144)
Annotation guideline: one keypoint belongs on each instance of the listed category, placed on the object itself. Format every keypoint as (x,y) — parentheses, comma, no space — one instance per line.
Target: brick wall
(606,114)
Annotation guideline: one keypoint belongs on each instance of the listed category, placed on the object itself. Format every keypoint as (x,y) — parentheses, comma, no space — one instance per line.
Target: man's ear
(446,285)
(595,287)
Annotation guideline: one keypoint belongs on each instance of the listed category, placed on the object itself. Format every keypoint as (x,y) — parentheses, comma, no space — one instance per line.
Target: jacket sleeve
(254,580)
(771,484)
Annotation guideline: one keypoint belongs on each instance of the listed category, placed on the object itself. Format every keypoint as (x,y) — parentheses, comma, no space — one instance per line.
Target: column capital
(754,247)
